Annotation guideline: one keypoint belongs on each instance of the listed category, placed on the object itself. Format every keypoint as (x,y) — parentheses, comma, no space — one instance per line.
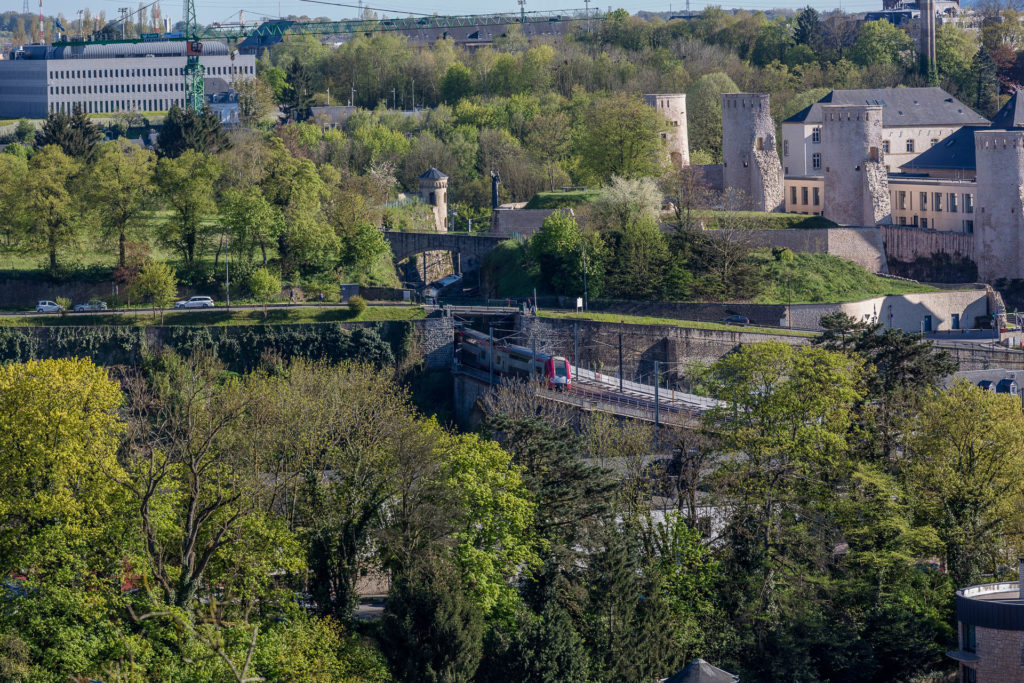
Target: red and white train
(474,350)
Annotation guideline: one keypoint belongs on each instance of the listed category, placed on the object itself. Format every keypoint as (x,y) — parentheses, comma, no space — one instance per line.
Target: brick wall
(1000,656)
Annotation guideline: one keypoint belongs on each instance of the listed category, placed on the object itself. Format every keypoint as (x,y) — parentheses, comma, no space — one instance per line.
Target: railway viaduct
(467,250)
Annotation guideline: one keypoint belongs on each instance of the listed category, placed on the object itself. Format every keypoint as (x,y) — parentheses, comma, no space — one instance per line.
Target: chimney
(1020,578)
(495,181)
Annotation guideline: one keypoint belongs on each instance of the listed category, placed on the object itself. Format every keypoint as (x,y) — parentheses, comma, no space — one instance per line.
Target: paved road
(216,309)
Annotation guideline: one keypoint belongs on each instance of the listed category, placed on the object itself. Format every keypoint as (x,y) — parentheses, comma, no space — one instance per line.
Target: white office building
(36,80)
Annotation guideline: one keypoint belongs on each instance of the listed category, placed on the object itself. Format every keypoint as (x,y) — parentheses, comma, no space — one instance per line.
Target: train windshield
(559,368)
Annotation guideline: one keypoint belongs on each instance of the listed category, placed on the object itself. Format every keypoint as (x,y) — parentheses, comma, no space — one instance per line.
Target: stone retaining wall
(907,243)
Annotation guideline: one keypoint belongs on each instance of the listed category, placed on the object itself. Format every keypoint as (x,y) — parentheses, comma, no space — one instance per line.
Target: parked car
(195,302)
(48,307)
(92,305)
(736,320)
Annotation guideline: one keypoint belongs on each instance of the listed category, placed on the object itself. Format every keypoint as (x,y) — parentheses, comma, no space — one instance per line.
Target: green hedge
(241,349)
(561,200)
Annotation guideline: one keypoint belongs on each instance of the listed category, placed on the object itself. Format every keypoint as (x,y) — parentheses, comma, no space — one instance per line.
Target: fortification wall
(905,243)
(863,246)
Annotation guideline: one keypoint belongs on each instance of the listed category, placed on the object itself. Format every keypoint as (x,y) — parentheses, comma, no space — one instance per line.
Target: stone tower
(999,214)
(434,191)
(856,180)
(677,141)
(751,162)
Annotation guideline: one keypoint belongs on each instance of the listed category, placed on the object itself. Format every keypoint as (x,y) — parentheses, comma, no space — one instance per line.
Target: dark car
(736,320)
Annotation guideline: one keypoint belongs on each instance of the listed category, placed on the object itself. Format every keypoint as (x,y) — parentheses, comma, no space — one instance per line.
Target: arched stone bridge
(467,250)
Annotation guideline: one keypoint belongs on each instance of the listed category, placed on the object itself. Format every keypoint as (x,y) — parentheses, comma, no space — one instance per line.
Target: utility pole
(576,346)
(490,355)
(522,10)
(583,245)
(657,400)
(227,275)
(621,369)
(394,99)
(352,95)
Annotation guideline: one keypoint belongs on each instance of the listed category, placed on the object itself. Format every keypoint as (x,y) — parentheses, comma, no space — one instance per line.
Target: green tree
(255,100)
(789,412)
(120,185)
(639,270)
(25,132)
(264,286)
(52,220)
(186,183)
(704,112)
(74,133)
(619,136)
(431,632)
(185,130)
(13,172)
(563,254)
(456,84)
(156,282)
(965,464)
(62,517)
(881,42)
(298,98)
(252,222)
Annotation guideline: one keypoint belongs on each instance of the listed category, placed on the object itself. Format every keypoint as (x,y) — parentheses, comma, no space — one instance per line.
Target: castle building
(913,119)
(36,80)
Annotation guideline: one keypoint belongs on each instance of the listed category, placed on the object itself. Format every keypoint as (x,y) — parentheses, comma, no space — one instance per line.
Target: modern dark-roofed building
(107,77)
(990,630)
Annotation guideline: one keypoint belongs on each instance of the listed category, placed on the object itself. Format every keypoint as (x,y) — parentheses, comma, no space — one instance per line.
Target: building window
(910,145)
(792,195)
(816,135)
(816,160)
(968,203)
(968,637)
(817,196)
(903,200)
(952,202)
(903,220)
(934,142)
(785,148)
(937,201)
(969,227)
(924,222)
(803,196)
(924,201)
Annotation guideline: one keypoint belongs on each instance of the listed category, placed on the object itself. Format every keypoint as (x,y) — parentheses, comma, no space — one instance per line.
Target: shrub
(357,304)
(64,303)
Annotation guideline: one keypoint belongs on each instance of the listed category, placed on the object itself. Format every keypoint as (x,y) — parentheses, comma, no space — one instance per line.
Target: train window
(560,368)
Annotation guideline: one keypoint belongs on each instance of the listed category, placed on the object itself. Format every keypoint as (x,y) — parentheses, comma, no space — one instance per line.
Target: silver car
(48,307)
(92,305)
(195,302)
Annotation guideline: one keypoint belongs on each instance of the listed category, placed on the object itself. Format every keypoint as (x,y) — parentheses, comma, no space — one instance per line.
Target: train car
(474,350)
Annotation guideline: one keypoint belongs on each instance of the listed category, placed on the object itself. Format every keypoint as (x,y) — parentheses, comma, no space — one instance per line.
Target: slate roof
(956,152)
(699,671)
(998,379)
(432,174)
(900,107)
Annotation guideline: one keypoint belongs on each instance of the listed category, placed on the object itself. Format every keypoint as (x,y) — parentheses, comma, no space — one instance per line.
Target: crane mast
(195,93)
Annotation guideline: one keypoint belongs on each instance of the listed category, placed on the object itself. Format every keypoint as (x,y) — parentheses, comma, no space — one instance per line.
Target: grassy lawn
(823,278)
(223,317)
(693,324)
(561,200)
(764,221)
